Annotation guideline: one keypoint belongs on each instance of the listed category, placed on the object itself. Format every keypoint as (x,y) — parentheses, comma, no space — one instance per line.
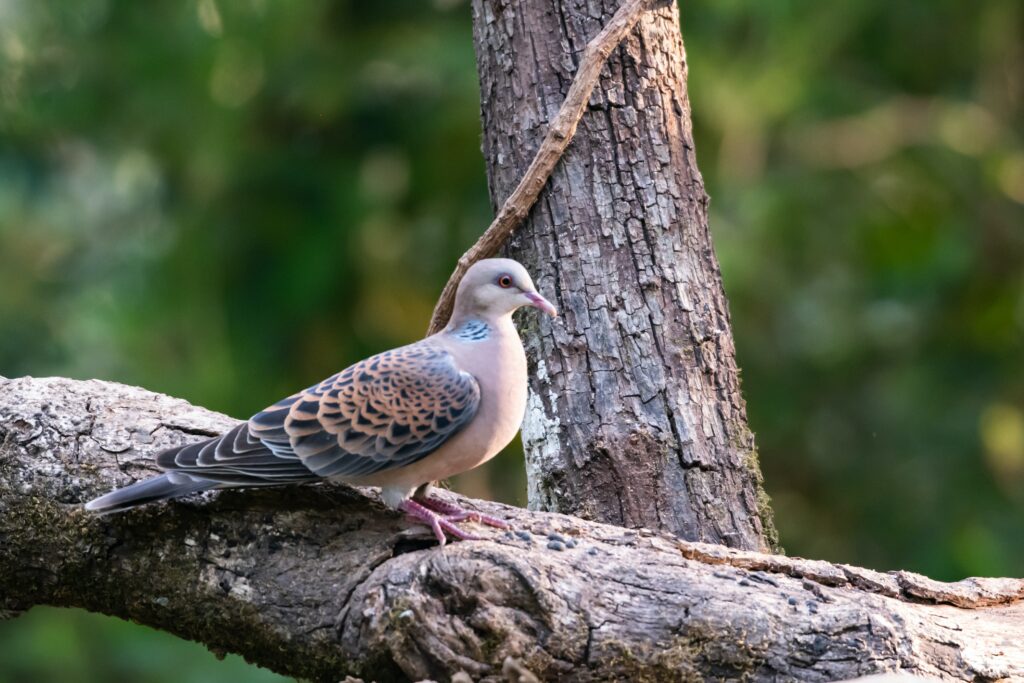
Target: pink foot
(439,524)
(454,513)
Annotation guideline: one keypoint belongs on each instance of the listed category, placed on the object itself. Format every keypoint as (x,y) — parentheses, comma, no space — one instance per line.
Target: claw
(454,513)
(439,524)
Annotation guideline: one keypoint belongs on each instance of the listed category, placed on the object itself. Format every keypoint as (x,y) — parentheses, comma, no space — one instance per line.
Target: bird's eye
(505,281)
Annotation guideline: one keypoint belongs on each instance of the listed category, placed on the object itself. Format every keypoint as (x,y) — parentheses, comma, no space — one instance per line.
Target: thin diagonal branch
(559,135)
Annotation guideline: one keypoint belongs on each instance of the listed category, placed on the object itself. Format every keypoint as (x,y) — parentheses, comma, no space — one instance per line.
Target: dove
(400,420)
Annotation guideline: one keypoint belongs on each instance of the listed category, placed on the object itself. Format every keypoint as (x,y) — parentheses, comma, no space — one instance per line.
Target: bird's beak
(539,302)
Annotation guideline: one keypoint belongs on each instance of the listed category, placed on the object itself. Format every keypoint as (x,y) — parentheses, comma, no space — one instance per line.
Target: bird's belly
(481,440)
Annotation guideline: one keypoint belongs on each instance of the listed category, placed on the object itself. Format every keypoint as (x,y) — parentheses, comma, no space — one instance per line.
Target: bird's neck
(471,330)
(468,327)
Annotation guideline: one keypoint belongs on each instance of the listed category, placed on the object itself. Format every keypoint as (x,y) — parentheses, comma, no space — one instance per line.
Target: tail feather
(148,491)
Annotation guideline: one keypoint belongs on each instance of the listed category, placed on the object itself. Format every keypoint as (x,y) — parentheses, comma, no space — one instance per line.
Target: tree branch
(559,135)
(322,581)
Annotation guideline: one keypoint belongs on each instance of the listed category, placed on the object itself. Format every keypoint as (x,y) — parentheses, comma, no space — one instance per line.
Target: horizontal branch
(322,581)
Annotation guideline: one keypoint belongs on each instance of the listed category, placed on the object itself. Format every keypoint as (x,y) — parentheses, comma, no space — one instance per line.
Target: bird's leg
(454,513)
(439,524)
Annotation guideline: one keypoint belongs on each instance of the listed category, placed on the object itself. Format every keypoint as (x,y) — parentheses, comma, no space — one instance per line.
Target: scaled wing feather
(384,412)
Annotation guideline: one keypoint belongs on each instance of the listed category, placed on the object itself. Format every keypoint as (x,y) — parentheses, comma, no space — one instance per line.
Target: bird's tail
(169,485)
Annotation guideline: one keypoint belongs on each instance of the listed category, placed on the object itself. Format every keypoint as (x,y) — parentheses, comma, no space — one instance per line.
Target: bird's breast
(501,374)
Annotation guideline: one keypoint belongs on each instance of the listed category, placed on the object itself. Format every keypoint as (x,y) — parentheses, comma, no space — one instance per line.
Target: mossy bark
(322,581)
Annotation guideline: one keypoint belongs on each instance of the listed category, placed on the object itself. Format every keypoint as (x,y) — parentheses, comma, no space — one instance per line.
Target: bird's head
(495,287)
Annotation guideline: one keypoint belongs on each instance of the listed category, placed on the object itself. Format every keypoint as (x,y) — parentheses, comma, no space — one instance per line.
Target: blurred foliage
(226,199)
(866,167)
(50,645)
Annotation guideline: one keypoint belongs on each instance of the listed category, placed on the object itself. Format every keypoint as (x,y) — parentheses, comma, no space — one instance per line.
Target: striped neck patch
(472,331)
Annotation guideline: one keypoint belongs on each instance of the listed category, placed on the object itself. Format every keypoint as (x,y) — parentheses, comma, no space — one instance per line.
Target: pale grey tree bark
(636,416)
(323,581)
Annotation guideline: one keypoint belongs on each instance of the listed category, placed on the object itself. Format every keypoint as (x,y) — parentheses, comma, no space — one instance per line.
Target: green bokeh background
(227,199)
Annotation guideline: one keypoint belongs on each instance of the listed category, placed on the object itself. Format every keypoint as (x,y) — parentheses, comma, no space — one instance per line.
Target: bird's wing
(234,458)
(387,411)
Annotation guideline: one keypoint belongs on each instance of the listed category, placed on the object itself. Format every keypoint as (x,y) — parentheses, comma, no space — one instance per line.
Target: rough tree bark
(323,581)
(636,416)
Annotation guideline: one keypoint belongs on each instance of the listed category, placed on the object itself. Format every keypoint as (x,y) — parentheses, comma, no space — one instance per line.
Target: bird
(401,419)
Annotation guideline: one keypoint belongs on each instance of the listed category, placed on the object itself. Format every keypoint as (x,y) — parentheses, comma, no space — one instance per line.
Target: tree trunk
(323,581)
(636,416)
